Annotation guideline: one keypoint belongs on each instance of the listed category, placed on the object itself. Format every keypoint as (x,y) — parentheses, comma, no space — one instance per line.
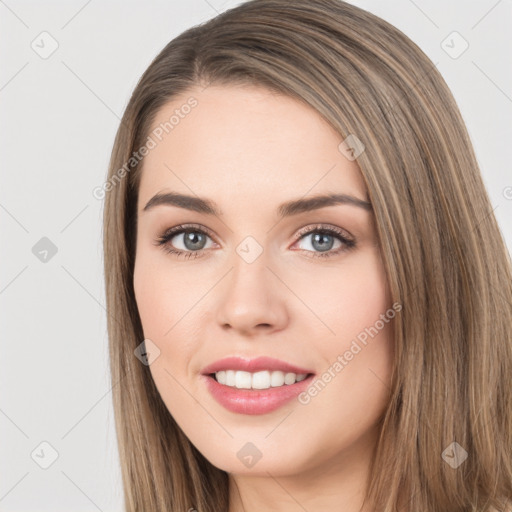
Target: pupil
(320,238)
(192,239)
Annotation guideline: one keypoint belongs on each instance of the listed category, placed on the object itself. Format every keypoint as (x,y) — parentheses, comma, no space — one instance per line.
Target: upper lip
(252,365)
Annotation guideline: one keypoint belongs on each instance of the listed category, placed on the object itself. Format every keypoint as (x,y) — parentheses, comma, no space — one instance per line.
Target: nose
(251,298)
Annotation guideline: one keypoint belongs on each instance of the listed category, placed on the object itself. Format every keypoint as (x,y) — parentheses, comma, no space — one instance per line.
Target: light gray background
(58,118)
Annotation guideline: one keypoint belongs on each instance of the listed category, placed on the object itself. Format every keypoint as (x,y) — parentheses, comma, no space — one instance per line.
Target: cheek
(165,298)
(148,296)
(358,311)
(349,298)
(159,295)
(161,305)
(366,295)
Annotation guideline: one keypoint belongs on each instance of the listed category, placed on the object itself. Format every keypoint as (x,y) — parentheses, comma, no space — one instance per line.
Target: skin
(249,150)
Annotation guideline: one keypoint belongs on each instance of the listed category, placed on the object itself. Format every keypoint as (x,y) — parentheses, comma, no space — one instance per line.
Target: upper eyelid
(311,228)
(300,233)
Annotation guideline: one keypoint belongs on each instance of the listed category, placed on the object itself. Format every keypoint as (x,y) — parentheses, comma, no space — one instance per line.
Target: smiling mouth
(257,381)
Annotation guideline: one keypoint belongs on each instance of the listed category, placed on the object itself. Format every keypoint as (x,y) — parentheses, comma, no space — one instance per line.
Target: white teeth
(258,380)
(277,379)
(242,380)
(262,380)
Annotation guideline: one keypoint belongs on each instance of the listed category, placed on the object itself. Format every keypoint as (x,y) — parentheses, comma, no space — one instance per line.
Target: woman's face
(258,279)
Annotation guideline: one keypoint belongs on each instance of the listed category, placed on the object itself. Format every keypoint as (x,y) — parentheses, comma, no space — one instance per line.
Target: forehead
(245,141)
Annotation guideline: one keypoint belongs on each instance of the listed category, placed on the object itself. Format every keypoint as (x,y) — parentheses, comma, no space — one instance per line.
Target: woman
(309,296)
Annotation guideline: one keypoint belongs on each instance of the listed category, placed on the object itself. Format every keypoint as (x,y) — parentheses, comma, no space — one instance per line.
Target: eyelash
(164,239)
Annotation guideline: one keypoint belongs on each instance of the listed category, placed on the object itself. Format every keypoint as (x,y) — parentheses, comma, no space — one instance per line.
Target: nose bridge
(250,296)
(249,274)
(250,250)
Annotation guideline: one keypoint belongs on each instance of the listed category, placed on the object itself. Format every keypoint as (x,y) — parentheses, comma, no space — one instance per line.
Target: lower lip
(255,401)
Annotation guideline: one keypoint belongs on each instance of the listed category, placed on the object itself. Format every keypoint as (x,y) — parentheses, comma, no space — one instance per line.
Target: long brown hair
(444,255)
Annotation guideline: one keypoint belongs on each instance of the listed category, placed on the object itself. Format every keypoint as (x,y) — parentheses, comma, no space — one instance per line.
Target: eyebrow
(294,207)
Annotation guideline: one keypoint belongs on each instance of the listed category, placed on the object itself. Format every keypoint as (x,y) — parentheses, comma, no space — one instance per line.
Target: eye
(192,239)
(323,240)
